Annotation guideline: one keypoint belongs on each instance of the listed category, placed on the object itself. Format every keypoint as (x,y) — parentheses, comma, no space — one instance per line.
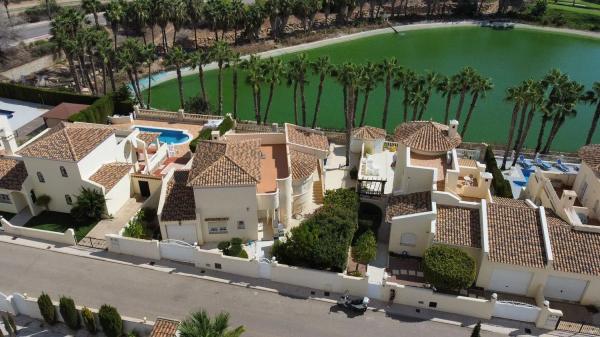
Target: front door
(144,188)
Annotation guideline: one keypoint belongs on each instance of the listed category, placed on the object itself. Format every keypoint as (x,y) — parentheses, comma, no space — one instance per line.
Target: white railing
(157,158)
(387,144)
(174,116)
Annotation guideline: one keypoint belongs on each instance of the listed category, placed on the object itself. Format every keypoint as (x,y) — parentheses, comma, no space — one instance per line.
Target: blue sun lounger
(544,166)
(526,164)
(559,165)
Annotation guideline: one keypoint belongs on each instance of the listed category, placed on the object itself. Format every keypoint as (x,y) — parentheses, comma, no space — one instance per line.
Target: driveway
(114,225)
(141,292)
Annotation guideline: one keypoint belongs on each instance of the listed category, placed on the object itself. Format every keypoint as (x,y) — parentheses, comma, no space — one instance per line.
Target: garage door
(510,281)
(185,233)
(563,288)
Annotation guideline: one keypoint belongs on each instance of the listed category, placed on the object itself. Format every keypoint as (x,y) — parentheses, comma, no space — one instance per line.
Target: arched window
(41,177)
(63,171)
(408,239)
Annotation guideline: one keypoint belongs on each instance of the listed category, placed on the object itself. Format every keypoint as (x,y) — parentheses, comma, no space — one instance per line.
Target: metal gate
(92,243)
(177,251)
(578,328)
(517,311)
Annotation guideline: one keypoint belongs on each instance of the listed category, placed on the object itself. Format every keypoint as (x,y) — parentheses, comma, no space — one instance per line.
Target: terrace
(273,166)
(437,162)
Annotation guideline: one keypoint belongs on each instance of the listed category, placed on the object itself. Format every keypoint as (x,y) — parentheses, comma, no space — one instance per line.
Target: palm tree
(199,324)
(431,80)
(347,76)
(178,16)
(479,87)
(570,94)
(195,9)
(448,88)
(292,80)
(255,78)
(368,80)
(301,65)
(64,30)
(162,16)
(137,15)
(552,83)
(593,97)
(148,57)
(516,95)
(199,59)
(177,58)
(322,67)
(237,15)
(129,59)
(274,72)
(91,7)
(388,68)
(406,80)
(305,10)
(220,53)
(115,14)
(106,56)
(463,80)
(234,61)
(535,98)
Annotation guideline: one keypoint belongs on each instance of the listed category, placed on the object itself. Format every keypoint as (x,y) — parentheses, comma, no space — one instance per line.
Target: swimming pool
(169,136)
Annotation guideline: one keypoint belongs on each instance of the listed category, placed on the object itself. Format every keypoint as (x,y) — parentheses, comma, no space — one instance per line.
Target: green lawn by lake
(508,57)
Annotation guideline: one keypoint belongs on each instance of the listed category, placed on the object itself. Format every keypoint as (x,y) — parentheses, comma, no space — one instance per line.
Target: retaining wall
(68,237)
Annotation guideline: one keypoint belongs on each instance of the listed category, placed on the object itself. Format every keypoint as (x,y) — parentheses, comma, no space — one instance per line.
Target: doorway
(144,188)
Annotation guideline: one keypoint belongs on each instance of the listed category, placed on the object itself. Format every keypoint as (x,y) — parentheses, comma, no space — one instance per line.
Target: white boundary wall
(68,237)
(18,304)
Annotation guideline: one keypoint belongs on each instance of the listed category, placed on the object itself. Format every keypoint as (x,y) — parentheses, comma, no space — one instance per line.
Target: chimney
(215,135)
(567,199)
(453,128)
(486,179)
(7,137)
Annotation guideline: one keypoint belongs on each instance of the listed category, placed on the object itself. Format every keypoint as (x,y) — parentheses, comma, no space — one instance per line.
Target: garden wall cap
(426,136)
(590,154)
(369,133)
(12,174)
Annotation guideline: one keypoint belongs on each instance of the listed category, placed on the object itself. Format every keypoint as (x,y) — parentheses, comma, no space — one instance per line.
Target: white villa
(253,186)
(62,160)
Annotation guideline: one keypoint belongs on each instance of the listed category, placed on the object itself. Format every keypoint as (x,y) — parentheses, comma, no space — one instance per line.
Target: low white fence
(68,237)
(18,304)
(174,116)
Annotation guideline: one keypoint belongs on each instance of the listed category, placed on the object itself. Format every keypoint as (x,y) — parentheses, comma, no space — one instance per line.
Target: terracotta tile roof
(12,174)
(369,133)
(464,162)
(590,154)
(408,204)
(64,110)
(306,137)
(164,328)
(574,251)
(68,142)
(515,235)
(226,163)
(510,202)
(148,137)
(303,164)
(426,136)
(458,226)
(179,200)
(108,175)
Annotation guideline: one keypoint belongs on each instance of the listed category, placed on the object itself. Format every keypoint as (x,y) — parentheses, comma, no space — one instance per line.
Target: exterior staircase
(318,187)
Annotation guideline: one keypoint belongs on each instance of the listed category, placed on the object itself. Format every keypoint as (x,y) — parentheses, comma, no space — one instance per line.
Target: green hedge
(227,124)
(500,185)
(448,268)
(43,96)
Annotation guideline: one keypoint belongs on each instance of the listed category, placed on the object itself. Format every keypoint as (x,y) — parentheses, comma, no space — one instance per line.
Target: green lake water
(508,57)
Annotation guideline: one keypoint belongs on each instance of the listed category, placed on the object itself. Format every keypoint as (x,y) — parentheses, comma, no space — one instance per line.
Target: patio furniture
(543,165)
(525,163)
(559,165)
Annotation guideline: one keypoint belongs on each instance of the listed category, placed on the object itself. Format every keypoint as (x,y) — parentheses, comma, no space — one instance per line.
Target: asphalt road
(139,292)
(40,30)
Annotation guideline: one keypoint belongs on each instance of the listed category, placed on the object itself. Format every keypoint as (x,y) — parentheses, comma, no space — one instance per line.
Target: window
(216,225)
(408,239)
(583,190)
(63,171)
(68,199)
(41,177)
(217,229)
(241,225)
(33,196)
(5,199)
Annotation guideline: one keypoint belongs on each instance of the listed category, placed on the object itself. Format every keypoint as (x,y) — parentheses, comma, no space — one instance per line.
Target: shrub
(134,229)
(47,309)
(365,249)
(353,173)
(90,205)
(448,268)
(88,320)
(224,246)
(11,322)
(69,313)
(98,112)
(110,321)
(499,184)
(43,96)
(43,201)
(236,242)
(539,8)
(227,124)
(345,198)
(243,254)
(196,105)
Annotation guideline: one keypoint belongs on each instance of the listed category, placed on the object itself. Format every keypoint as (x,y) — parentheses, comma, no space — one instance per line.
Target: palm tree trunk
(137,84)
(460,104)
(164,38)
(220,89)
(149,84)
(174,35)
(303,101)
(103,77)
(590,134)
(424,107)
(511,133)
(405,104)
(269,100)
(354,104)
(521,141)
(202,86)
(347,122)
(295,93)
(557,123)
(235,94)
(256,104)
(86,75)
(74,73)
(364,107)
(111,74)
(195,36)
(469,113)
(132,81)
(7,13)
(415,111)
(114,31)
(386,102)
(318,103)
(180,84)
(540,137)
(521,124)
(94,73)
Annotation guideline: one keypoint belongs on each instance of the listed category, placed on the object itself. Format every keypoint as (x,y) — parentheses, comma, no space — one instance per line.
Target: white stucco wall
(118,195)
(420,225)
(592,192)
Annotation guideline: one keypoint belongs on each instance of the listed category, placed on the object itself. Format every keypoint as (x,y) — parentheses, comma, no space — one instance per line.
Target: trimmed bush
(346,198)
(110,321)
(499,184)
(43,96)
(88,320)
(476,330)
(47,309)
(69,313)
(448,268)
(98,112)
(227,124)
(236,242)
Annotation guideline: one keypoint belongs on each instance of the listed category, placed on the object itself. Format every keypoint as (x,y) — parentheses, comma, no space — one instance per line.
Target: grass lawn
(578,10)
(59,222)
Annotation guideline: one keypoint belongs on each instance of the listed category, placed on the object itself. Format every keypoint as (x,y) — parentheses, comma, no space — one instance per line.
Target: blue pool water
(167,135)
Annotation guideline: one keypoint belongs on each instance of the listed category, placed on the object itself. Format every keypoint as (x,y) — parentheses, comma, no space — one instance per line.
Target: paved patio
(116,223)
(336,174)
